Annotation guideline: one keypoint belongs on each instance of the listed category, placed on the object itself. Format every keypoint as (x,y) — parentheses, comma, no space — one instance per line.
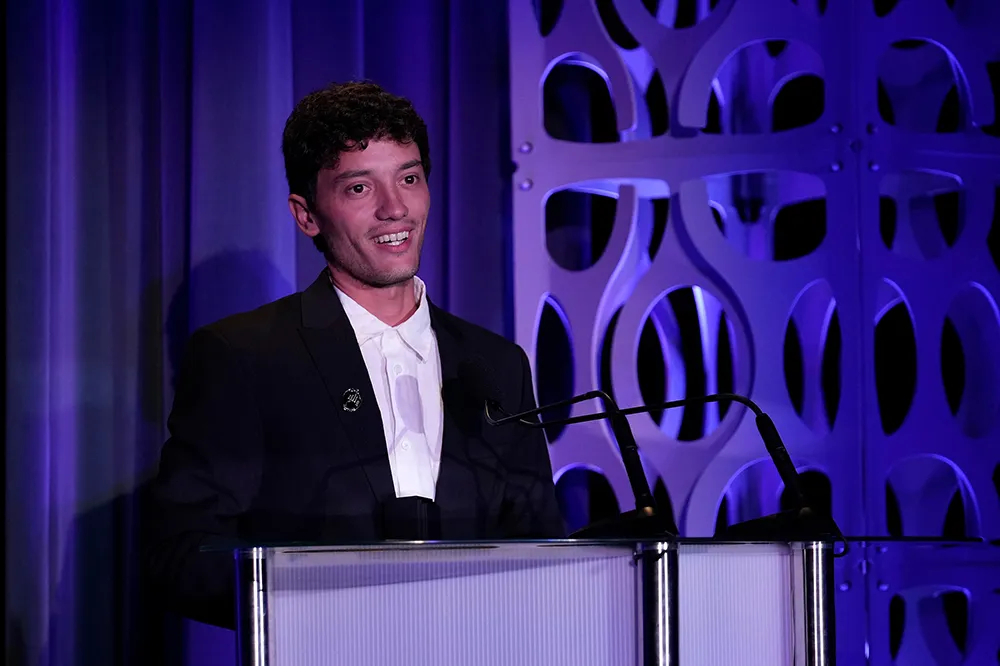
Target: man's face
(372,211)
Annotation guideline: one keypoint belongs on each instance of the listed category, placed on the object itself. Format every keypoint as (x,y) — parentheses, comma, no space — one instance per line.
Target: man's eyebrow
(357,173)
(360,173)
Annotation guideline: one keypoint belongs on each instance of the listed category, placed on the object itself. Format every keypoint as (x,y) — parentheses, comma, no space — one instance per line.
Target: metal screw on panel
(836,166)
(526,147)
(845,586)
(874,166)
(526,184)
(836,129)
(883,587)
(871,128)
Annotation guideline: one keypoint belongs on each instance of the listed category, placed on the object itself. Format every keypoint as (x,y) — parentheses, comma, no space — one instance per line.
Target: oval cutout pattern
(800,102)
(812,357)
(921,214)
(919,90)
(547,13)
(970,360)
(771,86)
(554,364)
(578,226)
(923,491)
(577,104)
(770,215)
(895,358)
(677,358)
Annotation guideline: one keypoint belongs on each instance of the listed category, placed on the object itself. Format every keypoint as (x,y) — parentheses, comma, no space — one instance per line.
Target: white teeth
(393,239)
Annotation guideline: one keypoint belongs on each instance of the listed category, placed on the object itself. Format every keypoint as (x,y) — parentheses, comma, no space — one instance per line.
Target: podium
(552,603)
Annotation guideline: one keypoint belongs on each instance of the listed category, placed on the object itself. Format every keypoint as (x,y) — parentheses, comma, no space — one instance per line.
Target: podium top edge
(635,544)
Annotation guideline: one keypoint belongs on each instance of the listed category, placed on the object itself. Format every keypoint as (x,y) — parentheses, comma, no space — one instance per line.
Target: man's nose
(391,206)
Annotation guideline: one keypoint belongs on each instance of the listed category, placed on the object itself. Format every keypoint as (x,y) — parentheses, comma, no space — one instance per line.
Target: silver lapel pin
(352,400)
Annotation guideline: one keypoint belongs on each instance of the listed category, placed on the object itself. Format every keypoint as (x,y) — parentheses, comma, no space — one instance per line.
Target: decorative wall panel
(793,200)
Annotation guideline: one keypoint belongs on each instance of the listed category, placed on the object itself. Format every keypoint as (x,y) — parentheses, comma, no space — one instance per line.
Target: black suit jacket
(262,450)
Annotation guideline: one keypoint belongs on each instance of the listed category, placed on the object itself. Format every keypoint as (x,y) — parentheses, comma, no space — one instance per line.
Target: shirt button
(405,445)
(396,369)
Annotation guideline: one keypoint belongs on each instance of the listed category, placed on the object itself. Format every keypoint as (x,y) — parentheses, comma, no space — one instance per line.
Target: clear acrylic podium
(551,603)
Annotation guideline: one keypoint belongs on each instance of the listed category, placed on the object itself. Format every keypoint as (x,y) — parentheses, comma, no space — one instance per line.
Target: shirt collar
(415,332)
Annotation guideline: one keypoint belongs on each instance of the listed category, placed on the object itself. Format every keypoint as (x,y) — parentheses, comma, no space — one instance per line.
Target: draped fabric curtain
(146,197)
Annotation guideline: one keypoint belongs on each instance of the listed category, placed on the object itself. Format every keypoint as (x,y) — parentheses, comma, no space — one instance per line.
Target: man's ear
(304,218)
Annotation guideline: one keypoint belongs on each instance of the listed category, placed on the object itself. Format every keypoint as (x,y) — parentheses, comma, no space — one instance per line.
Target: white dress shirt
(405,371)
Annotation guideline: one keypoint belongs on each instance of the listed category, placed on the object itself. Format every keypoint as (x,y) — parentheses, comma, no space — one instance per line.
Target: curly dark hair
(338,118)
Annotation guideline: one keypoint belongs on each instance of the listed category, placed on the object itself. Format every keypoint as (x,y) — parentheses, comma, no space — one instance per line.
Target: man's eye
(357,189)
(410,179)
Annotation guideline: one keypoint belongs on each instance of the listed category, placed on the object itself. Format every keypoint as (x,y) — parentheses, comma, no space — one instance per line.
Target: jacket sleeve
(209,472)
(531,510)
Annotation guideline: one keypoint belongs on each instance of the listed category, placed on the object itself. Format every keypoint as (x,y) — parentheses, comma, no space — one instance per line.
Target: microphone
(765,427)
(477,375)
(800,523)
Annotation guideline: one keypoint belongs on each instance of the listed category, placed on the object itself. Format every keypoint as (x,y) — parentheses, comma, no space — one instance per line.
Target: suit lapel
(457,491)
(330,339)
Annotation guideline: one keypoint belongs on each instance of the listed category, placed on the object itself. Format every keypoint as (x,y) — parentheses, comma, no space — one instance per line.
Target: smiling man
(337,414)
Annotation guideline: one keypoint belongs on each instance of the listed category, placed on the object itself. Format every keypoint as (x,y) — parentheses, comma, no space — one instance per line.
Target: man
(313,418)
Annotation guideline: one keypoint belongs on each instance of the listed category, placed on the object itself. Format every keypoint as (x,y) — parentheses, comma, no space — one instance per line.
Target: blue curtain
(146,197)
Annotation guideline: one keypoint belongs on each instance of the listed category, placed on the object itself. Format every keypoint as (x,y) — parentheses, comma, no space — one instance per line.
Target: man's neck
(390,305)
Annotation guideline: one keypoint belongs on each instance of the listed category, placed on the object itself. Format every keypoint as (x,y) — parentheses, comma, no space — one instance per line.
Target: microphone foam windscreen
(478,378)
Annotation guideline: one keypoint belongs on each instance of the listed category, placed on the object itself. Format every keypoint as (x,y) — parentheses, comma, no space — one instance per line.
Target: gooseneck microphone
(800,521)
(765,426)
(477,376)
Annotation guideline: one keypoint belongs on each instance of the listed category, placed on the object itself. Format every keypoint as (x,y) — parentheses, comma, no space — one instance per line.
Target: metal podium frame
(658,565)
